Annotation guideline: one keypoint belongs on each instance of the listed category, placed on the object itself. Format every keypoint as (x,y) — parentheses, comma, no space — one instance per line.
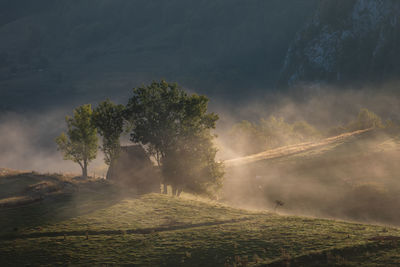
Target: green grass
(181,232)
(96,223)
(353,178)
(148,211)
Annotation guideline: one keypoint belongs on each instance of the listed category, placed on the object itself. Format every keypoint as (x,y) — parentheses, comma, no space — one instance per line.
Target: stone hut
(134,169)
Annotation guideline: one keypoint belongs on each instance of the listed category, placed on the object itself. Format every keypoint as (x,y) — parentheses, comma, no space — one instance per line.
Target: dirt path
(292,149)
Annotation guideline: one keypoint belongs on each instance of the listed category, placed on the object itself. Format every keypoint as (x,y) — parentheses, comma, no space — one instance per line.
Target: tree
(79,144)
(367,119)
(109,121)
(305,131)
(175,129)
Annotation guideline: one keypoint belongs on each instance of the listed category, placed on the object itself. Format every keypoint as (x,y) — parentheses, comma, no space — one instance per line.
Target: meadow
(96,223)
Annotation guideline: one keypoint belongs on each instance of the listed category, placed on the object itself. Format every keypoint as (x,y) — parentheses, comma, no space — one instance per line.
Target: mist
(356,180)
(28,143)
(353,179)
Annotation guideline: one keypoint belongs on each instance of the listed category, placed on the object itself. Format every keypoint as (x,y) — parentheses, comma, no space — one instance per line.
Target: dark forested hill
(347,41)
(58,52)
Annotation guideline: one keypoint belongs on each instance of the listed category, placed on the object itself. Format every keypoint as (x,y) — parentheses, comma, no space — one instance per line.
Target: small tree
(368,119)
(365,120)
(109,121)
(305,131)
(79,144)
(175,128)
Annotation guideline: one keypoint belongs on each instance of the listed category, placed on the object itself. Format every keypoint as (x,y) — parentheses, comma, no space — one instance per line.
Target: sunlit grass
(262,237)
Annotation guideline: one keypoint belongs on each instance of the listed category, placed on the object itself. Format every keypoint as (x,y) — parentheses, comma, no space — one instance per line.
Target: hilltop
(94,222)
(166,231)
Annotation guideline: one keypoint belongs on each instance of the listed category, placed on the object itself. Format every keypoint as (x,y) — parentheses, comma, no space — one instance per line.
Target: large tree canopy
(176,129)
(108,118)
(79,144)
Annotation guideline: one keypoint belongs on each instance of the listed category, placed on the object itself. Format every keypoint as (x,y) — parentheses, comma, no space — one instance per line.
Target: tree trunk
(165,189)
(179,192)
(84,170)
(174,190)
(110,171)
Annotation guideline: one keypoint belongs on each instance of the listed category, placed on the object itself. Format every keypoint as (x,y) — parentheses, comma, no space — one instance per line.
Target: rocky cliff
(347,41)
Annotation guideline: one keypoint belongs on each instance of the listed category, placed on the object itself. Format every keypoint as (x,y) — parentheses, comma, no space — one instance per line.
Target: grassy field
(95,225)
(353,176)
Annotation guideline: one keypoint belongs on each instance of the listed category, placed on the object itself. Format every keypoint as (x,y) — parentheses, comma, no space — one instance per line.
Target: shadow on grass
(50,208)
(144,231)
(346,256)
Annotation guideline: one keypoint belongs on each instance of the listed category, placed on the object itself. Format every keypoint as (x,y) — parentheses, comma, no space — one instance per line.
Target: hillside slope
(352,176)
(80,51)
(347,41)
(158,230)
(297,149)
